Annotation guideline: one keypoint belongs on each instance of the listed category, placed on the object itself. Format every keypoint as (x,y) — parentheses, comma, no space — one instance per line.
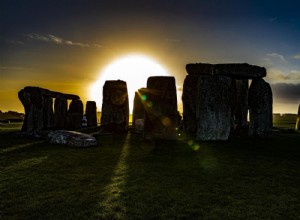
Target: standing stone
(60,113)
(298,120)
(214,113)
(138,108)
(260,108)
(32,100)
(160,108)
(75,114)
(48,112)
(115,106)
(241,110)
(91,113)
(189,97)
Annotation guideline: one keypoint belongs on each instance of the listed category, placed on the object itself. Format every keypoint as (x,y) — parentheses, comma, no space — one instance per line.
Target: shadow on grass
(45,181)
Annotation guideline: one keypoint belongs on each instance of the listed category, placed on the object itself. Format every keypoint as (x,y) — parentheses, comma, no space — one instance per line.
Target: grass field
(128,178)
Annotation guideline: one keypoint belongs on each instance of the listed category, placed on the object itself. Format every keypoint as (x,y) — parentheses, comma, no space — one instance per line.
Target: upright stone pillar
(241,111)
(32,100)
(75,114)
(48,112)
(138,107)
(91,113)
(115,106)
(260,108)
(214,112)
(189,98)
(297,127)
(60,113)
(160,108)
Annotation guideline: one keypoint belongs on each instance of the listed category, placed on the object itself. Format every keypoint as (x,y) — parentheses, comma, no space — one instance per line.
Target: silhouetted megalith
(214,108)
(234,70)
(115,106)
(160,108)
(138,108)
(48,113)
(38,107)
(241,108)
(260,108)
(297,127)
(91,113)
(32,100)
(75,114)
(60,113)
(189,98)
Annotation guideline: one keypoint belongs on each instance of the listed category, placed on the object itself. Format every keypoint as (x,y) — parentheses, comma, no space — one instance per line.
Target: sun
(134,69)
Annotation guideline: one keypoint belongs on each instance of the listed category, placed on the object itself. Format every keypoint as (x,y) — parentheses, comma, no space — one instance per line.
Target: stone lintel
(234,70)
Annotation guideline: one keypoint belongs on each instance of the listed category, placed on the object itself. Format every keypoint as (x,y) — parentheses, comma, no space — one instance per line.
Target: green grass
(128,178)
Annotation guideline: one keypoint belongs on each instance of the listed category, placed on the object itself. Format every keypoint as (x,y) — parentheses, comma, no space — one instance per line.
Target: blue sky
(62,45)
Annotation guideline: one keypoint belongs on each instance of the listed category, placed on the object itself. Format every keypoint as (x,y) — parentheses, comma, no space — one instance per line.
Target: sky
(65,45)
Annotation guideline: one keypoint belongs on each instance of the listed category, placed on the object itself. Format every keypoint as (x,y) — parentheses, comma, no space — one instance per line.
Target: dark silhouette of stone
(214,108)
(60,113)
(72,138)
(189,97)
(115,107)
(260,108)
(234,70)
(48,113)
(297,127)
(38,105)
(32,101)
(91,113)
(138,107)
(241,108)
(75,114)
(160,108)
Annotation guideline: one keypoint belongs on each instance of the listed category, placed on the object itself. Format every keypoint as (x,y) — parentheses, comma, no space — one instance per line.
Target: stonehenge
(39,112)
(216,100)
(115,107)
(160,108)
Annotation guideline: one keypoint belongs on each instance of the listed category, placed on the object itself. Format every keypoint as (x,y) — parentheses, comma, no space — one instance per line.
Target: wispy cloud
(278,76)
(276,56)
(50,38)
(296,56)
(272,19)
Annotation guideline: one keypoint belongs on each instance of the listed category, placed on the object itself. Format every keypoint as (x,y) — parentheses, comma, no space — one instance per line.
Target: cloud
(276,76)
(286,92)
(276,56)
(272,19)
(50,38)
(296,56)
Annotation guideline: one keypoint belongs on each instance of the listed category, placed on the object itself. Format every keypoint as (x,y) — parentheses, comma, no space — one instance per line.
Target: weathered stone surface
(138,108)
(60,113)
(48,113)
(38,105)
(235,70)
(160,108)
(189,97)
(115,107)
(260,108)
(71,138)
(241,109)
(53,94)
(297,127)
(213,108)
(33,104)
(75,114)
(91,113)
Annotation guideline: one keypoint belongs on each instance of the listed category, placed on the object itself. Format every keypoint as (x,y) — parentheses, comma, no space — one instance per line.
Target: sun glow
(134,69)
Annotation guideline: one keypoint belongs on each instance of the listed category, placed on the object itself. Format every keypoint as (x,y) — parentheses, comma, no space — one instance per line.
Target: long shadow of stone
(58,178)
